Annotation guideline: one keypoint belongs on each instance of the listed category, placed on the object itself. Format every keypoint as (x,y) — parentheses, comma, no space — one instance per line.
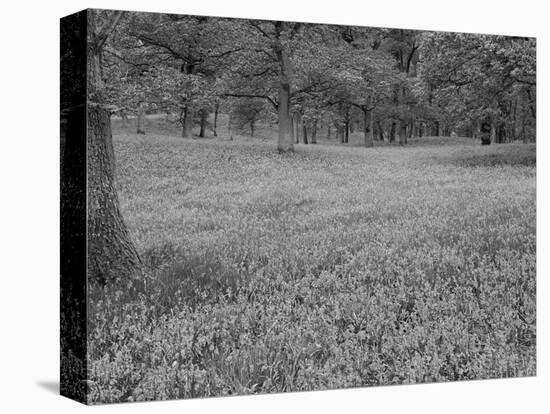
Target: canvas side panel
(73,206)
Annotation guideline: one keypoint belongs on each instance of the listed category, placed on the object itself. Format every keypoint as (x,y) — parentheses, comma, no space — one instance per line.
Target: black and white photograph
(279,206)
(253,205)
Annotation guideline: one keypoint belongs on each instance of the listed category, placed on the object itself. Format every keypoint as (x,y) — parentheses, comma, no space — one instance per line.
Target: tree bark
(340,133)
(435,131)
(304,132)
(369,126)
(346,131)
(188,115)
(204,118)
(111,253)
(314,132)
(380,131)
(392,131)
(216,111)
(402,133)
(285,142)
(296,128)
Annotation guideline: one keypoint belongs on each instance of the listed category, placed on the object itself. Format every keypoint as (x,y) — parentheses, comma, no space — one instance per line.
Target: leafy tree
(481,77)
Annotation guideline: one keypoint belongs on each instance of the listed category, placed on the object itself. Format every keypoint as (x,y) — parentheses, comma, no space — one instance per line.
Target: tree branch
(246,95)
(108,29)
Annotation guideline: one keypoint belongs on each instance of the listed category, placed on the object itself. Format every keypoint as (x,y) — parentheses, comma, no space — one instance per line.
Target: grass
(335,266)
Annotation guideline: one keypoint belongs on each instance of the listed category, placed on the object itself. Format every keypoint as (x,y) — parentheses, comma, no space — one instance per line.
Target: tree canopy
(394,84)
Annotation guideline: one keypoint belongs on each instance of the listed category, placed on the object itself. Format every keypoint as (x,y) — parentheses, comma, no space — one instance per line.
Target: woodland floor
(333,266)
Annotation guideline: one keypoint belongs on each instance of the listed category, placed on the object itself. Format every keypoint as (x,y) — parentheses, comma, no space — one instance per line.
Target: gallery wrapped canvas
(253,206)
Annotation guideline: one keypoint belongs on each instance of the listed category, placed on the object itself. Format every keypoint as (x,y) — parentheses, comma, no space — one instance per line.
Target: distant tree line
(392,84)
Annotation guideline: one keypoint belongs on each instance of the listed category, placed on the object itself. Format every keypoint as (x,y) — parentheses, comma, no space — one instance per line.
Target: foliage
(477,77)
(432,82)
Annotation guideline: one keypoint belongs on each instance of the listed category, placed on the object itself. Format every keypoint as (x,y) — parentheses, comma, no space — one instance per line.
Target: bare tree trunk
(402,133)
(188,115)
(204,119)
(346,131)
(304,132)
(296,128)
(380,131)
(111,253)
(392,131)
(514,122)
(435,131)
(340,133)
(368,121)
(285,142)
(314,132)
(216,111)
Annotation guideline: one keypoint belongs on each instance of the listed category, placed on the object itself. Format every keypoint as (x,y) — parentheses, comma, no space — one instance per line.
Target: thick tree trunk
(111,253)
(435,131)
(188,115)
(369,126)
(304,132)
(392,132)
(204,119)
(402,133)
(285,142)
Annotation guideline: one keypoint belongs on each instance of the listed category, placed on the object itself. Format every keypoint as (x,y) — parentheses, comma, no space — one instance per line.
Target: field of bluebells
(327,268)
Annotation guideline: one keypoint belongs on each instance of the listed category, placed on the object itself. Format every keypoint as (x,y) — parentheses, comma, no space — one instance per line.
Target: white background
(29,197)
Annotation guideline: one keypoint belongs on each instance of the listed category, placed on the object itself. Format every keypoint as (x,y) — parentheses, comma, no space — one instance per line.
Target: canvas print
(254,206)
